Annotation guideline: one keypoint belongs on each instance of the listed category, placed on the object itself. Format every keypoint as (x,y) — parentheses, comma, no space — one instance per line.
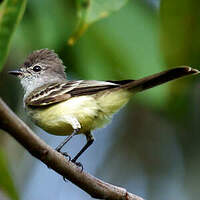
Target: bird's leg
(76,126)
(90,140)
(62,144)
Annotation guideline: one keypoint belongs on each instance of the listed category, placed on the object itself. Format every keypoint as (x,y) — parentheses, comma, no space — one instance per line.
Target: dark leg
(90,140)
(62,144)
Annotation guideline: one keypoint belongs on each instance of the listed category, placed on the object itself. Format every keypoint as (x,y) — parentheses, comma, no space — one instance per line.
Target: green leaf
(90,11)
(6,182)
(11,12)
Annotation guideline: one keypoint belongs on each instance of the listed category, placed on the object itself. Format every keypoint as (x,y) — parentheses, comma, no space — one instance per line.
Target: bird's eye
(37,68)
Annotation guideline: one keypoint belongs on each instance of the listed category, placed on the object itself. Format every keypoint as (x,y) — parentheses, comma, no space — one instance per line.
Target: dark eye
(37,68)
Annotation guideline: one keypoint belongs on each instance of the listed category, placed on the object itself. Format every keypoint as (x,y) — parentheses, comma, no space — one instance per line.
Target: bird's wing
(58,92)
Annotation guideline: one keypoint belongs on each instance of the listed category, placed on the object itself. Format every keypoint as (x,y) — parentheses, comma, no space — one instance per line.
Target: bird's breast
(90,111)
(53,118)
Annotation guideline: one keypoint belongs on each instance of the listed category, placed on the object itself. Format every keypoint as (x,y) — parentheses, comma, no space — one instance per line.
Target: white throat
(31,83)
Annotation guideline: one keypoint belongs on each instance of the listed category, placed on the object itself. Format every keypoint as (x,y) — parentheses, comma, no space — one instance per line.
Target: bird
(71,107)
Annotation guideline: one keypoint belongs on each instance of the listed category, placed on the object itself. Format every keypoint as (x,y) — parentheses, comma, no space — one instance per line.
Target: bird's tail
(159,78)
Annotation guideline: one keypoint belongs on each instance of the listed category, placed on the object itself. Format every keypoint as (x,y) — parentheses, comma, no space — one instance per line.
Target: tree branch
(39,149)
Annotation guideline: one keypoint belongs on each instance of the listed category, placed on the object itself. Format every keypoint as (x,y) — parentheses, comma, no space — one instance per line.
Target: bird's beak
(16,72)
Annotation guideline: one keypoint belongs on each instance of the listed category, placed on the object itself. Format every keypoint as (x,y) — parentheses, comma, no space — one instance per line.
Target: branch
(39,149)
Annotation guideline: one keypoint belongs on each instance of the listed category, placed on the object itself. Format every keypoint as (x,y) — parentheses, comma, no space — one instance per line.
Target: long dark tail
(159,78)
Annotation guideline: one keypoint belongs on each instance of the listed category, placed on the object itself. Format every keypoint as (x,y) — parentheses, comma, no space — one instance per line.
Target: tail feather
(159,78)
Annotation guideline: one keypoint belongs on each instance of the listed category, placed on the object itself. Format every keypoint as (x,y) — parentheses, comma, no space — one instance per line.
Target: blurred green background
(152,147)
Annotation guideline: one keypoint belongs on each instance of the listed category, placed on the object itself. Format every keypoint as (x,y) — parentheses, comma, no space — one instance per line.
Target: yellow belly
(90,111)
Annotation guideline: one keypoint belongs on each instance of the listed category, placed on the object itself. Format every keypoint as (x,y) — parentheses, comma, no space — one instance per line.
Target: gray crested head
(40,67)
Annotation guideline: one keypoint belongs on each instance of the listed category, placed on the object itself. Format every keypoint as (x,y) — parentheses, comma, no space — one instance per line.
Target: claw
(78,164)
(66,155)
(64,179)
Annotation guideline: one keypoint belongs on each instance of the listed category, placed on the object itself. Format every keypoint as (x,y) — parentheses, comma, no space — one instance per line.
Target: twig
(39,149)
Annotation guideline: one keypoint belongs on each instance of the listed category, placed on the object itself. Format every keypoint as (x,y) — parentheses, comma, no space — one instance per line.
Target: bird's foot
(78,164)
(64,179)
(65,154)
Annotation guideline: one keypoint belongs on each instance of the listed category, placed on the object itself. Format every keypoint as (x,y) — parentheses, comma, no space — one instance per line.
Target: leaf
(90,11)
(6,182)
(11,12)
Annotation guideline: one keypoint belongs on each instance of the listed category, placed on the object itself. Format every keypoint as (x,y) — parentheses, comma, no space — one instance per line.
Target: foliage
(6,183)
(11,12)
(180,26)
(180,44)
(90,11)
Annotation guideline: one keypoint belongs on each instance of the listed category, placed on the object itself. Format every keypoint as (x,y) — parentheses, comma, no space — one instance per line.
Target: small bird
(64,107)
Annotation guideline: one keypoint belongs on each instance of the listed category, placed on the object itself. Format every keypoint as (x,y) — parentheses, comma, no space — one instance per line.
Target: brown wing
(57,92)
